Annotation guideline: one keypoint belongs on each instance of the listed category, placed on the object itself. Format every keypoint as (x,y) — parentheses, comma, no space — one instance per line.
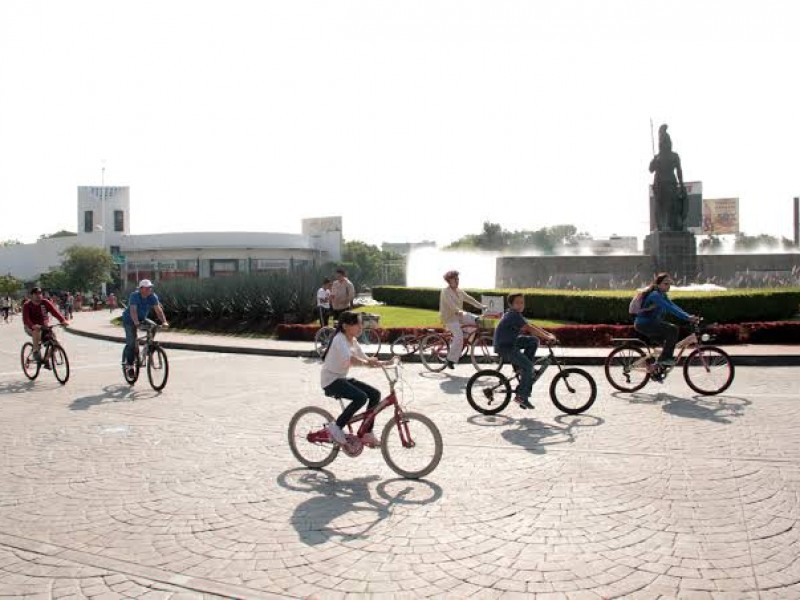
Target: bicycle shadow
(25,385)
(718,409)
(346,509)
(112,393)
(535,436)
(454,384)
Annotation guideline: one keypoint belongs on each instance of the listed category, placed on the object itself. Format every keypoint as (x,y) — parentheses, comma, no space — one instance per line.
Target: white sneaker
(336,433)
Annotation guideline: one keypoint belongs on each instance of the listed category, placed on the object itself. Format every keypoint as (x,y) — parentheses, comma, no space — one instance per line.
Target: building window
(88,221)
(119,220)
(262,265)
(114,250)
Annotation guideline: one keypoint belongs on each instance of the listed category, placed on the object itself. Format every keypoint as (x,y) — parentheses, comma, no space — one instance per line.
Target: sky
(412,119)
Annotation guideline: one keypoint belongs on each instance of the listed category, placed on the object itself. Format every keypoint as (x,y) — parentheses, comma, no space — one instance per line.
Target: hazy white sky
(411,119)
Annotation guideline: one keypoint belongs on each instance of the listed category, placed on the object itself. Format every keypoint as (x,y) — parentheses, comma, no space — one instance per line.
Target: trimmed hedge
(730,306)
(585,336)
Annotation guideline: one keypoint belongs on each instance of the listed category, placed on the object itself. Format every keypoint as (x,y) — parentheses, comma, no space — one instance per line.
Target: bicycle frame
(540,365)
(146,341)
(368,416)
(690,342)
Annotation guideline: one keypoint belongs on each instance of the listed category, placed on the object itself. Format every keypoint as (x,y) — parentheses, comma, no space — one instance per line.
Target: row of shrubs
(583,336)
(729,306)
(260,299)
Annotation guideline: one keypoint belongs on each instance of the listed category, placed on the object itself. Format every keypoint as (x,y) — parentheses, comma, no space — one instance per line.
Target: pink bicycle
(411,444)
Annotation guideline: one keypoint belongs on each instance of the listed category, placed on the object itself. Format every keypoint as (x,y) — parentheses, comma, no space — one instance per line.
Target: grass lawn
(402,316)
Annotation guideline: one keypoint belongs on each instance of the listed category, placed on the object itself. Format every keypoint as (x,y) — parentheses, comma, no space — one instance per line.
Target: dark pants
(323,314)
(359,392)
(521,356)
(130,342)
(661,329)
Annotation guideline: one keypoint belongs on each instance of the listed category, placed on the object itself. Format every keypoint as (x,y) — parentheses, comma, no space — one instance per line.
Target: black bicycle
(148,353)
(53,357)
(572,390)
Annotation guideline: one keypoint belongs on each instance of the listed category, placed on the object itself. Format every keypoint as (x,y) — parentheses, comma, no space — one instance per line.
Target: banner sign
(720,216)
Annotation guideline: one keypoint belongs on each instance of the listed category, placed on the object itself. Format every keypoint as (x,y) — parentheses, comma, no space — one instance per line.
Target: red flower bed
(585,336)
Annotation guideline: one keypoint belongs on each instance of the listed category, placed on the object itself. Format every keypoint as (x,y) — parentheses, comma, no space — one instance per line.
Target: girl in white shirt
(343,352)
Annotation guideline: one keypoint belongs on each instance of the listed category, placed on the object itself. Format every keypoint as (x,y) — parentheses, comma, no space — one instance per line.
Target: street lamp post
(103,216)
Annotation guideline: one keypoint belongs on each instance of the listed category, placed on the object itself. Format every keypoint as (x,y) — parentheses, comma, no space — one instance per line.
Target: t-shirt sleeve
(358,351)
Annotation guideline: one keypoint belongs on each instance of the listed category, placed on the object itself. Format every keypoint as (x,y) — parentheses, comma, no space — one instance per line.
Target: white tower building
(103,216)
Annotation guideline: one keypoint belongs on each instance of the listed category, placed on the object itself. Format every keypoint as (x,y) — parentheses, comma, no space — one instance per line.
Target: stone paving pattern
(108,491)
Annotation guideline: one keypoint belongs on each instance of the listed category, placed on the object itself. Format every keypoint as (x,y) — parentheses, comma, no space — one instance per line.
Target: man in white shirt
(342,293)
(453,316)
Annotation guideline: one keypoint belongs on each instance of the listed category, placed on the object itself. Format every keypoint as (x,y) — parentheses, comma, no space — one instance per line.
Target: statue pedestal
(674,252)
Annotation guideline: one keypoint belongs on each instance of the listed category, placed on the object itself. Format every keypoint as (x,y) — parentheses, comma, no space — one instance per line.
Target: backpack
(635,307)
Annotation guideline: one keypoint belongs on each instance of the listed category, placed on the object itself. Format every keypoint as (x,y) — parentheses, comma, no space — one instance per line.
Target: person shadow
(718,409)
(536,436)
(112,393)
(346,509)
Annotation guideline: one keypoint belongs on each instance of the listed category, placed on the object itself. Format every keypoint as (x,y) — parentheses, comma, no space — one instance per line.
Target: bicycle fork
(402,428)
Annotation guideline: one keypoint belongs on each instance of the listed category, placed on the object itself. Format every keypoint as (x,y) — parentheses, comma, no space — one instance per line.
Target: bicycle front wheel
(573,391)
(59,363)
(30,366)
(488,392)
(405,345)
(480,352)
(306,421)
(411,445)
(433,351)
(626,369)
(708,370)
(371,338)
(322,339)
(157,368)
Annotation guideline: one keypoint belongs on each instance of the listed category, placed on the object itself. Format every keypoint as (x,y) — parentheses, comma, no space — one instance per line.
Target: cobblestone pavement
(108,491)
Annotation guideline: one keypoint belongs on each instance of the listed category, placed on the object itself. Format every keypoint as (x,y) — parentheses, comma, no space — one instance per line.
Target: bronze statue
(669,191)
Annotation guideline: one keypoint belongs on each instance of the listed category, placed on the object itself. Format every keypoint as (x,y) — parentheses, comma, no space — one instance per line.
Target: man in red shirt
(36,316)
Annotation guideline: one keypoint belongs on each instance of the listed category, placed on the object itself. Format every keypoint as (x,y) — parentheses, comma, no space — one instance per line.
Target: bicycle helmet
(450,275)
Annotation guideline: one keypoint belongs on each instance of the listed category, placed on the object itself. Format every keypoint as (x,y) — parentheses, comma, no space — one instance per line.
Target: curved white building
(103,220)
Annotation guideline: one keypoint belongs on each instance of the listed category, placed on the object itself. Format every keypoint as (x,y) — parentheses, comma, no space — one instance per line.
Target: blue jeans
(521,355)
(359,392)
(130,342)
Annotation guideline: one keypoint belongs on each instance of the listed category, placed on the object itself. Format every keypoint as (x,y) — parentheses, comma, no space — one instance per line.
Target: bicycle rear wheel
(708,370)
(157,368)
(322,339)
(433,351)
(133,375)
(411,445)
(625,369)
(30,366)
(573,391)
(59,363)
(371,338)
(488,392)
(480,352)
(405,345)
(305,423)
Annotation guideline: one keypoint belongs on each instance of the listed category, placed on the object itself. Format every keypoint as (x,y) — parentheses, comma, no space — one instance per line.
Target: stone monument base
(674,252)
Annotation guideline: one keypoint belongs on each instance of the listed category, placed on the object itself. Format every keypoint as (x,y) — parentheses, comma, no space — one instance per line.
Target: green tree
(9,284)
(368,265)
(87,268)
(494,237)
(58,234)
(54,280)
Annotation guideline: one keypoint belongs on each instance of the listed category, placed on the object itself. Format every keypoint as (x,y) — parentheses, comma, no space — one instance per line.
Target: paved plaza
(108,491)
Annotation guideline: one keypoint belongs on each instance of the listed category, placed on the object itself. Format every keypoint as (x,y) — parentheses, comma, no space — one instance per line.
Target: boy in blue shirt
(139,305)
(516,341)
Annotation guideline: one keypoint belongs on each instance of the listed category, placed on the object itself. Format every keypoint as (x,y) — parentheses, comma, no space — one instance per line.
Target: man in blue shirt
(139,305)
(516,342)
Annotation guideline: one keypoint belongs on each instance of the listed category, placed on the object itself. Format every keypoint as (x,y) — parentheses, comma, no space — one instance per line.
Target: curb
(739,360)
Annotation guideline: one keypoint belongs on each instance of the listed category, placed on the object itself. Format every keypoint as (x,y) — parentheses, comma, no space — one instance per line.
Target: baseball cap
(145,283)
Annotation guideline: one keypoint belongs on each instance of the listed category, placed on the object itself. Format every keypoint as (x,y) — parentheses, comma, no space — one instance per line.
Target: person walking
(324,302)
(342,293)
(5,306)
